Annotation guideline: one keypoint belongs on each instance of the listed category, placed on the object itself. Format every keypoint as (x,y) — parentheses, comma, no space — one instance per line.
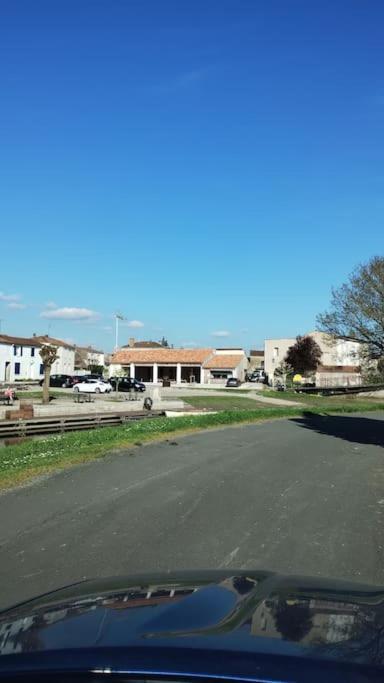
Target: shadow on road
(363,430)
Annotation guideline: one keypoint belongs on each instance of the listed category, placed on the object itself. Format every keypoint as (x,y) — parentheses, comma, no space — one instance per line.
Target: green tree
(96,369)
(304,356)
(357,308)
(284,372)
(48,355)
(164,342)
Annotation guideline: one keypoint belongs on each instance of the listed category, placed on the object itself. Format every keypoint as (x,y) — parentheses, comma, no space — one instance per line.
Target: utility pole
(118,317)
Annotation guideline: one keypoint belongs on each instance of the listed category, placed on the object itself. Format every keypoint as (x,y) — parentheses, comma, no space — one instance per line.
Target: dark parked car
(78,378)
(233,382)
(209,626)
(127,384)
(64,381)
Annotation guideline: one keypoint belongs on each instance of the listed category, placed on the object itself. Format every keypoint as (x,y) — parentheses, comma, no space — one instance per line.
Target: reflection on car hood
(263,625)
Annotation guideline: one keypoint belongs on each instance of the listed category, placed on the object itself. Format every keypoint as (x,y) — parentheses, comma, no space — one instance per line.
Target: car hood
(247,625)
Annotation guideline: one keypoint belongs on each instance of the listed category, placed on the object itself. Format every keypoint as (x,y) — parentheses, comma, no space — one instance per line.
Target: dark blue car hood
(249,626)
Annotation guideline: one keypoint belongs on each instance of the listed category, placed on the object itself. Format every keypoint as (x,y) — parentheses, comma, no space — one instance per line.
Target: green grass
(20,462)
(222,402)
(39,394)
(326,402)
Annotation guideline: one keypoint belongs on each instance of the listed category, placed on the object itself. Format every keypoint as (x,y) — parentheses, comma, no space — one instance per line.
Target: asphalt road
(303,496)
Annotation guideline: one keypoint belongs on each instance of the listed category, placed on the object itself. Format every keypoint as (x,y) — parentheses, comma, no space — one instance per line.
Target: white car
(95,386)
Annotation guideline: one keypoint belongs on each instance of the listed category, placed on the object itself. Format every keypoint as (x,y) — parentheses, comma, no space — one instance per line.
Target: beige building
(225,363)
(340,361)
(256,360)
(275,351)
(203,366)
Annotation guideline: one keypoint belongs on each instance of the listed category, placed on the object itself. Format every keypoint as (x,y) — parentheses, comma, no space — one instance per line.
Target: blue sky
(206,166)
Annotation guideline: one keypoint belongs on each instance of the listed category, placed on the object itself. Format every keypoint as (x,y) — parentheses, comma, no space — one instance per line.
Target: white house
(85,356)
(224,363)
(340,360)
(20,358)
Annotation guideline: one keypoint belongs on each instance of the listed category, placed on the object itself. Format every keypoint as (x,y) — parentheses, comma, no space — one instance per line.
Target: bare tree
(48,355)
(357,308)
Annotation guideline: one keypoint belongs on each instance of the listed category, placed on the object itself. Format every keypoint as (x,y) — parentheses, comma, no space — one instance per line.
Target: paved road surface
(303,495)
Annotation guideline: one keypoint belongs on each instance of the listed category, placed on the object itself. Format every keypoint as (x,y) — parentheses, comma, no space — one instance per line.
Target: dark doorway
(167,372)
(190,374)
(144,373)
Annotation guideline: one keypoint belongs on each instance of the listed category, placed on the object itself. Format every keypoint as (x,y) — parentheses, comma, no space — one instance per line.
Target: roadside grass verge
(231,402)
(22,461)
(324,402)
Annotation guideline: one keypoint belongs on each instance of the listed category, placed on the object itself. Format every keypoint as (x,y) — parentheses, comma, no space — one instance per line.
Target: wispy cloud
(68,313)
(188,343)
(14,306)
(50,304)
(107,328)
(9,297)
(221,333)
(134,324)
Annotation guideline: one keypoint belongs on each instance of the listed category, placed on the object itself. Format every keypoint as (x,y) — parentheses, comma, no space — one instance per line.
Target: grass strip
(22,461)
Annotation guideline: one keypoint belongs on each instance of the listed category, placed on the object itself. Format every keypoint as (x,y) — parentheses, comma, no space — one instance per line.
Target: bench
(7,399)
(83,397)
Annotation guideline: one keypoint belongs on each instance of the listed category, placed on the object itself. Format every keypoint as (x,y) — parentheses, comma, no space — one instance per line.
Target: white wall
(337,351)
(275,351)
(5,356)
(95,358)
(65,364)
(227,352)
(29,364)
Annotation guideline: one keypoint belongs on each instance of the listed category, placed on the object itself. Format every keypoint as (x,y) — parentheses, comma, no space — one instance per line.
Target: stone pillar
(201,375)
(178,373)
(132,369)
(154,379)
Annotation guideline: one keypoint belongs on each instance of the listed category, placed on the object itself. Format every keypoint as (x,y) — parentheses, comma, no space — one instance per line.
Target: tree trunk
(47,374)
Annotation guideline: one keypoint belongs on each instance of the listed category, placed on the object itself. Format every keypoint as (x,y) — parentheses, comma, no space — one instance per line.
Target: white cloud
(107,328)
(221,333)
(134,324)
(15,306)
(9,297)
(50,304)
(68,313)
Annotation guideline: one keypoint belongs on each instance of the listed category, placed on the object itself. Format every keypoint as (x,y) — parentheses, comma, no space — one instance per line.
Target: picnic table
(83,397)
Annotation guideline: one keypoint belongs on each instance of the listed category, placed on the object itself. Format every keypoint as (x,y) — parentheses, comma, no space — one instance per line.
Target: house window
(41,369)
(32,352)
(17,350)
(17,368)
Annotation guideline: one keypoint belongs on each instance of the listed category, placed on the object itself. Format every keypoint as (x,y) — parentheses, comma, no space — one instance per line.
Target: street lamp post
(118,317)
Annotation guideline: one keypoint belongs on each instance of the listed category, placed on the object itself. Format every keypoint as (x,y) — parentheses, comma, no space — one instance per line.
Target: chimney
(131,342)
